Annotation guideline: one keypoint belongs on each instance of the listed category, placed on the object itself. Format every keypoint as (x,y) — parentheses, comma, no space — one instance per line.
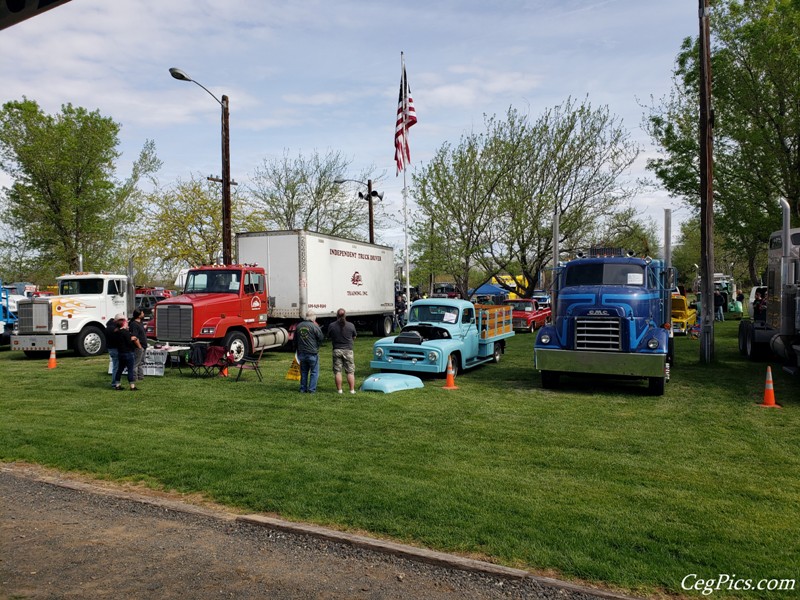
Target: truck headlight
(652,343)
(207,331)
(64,324)
(378,352)
(545,338)
(432,356)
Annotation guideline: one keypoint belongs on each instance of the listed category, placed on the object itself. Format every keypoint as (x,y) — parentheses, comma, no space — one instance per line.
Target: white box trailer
(312,271)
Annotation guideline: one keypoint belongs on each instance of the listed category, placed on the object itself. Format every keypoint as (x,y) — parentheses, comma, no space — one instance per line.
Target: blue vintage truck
(442,328)
(612,317)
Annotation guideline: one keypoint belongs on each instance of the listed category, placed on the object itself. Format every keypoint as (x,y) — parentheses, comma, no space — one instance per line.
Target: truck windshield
(430,313)
(68,287)
(212,282)
(444,288)
(604,274)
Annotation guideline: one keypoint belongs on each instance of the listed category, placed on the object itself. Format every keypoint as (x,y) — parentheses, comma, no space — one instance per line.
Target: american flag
(406,117)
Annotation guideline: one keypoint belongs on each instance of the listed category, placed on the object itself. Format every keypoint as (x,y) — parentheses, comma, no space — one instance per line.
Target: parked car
(527,314)
(146,303)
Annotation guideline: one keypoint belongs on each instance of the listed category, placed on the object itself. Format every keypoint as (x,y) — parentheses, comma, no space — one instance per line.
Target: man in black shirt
(342,332)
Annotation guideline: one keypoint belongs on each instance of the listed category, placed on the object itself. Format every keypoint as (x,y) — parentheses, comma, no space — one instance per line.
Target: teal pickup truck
(442,328)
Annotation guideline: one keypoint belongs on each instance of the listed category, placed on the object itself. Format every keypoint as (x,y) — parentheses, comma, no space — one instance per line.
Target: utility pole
(706,193)
(227,254)
(371,213)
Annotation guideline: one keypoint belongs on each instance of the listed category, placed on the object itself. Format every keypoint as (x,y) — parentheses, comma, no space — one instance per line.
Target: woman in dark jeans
(127,343)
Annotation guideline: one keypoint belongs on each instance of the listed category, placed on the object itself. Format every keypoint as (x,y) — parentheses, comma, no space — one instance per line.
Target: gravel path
(65,538)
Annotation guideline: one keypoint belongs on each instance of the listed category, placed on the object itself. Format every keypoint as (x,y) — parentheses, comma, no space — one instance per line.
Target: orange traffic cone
(450,383)
(769,392)
(51,363)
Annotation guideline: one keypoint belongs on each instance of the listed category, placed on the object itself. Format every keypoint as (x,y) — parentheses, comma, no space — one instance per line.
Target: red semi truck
(223,305)
(283,275)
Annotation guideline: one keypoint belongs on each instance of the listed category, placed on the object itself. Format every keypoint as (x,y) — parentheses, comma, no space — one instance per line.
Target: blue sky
(313,75)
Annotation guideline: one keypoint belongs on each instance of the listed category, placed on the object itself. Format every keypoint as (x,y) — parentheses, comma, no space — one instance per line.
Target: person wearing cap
(111,345)
(308,337)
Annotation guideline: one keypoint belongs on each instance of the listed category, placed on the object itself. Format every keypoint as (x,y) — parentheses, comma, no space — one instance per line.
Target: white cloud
(314,74)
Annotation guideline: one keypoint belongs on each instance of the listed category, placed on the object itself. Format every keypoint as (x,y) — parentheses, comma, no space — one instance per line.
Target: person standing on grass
(137,329)
(308,337)
(342,333)
(111,345)
(126,344)
(719,303)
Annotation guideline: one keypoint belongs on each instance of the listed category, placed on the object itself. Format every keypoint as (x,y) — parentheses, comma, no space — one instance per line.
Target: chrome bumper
(601,363)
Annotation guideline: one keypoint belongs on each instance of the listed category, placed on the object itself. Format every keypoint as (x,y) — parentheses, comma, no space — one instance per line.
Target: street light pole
(227,257)
(370,195)
(225,180)
(371,215)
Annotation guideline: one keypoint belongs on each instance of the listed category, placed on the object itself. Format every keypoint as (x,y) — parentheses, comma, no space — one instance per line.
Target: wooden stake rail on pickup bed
(494,320)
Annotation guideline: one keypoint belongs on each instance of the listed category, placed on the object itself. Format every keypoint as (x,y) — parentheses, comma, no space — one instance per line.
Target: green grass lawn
(596,481)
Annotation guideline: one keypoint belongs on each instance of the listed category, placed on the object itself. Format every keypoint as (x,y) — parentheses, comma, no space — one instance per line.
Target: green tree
(624,229)
(181,226)
(570,164)
(756,100)
(489,202)
(456,192)
(300,193)
(64,200)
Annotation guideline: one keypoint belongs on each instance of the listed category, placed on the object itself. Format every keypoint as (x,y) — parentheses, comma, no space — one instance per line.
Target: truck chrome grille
(34,317)
(174,322)
(519,323)
(406,354)
(598,333)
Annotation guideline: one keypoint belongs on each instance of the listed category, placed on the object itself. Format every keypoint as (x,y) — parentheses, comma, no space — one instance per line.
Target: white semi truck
(74,319)
(312,271)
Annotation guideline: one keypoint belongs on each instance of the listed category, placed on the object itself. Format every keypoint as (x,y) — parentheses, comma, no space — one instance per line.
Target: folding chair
(251,363)
(216,360)
(197,356)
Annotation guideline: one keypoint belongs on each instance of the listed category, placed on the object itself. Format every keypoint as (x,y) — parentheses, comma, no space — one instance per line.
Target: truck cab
(612,317)
(75,318)
(440,330)
(220,305)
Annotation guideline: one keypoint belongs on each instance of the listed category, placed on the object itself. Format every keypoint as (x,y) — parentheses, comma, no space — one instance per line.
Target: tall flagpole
(405,188)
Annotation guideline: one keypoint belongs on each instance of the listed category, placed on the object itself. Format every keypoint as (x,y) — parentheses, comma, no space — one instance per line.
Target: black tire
(497,353)
(532,328)
(236,343)
(91,341)
(656,385)
(744,327)
(671,351)
(383,326)
(39,354)
(387,326)
(454,357)
(550,379)
(752,349)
